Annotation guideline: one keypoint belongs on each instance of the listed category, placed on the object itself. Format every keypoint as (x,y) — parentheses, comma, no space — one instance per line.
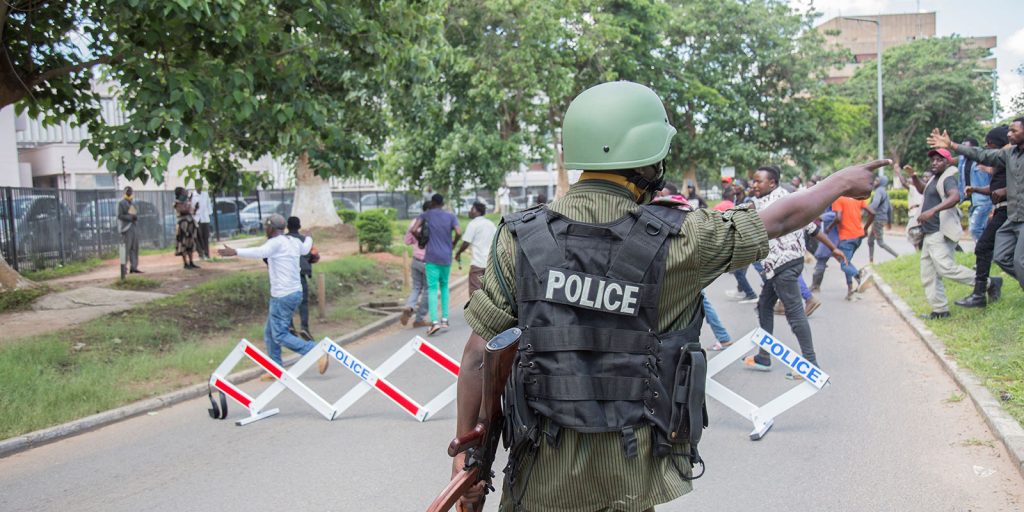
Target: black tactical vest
(591,358)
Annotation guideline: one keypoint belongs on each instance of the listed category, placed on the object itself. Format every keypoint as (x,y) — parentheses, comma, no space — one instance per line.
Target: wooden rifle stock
(482,441)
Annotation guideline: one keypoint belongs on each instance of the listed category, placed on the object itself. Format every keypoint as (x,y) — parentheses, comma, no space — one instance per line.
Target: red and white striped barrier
(376,379)
(370,379)
(285,379)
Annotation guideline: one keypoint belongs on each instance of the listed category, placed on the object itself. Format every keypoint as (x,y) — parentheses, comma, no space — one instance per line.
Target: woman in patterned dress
(187,237)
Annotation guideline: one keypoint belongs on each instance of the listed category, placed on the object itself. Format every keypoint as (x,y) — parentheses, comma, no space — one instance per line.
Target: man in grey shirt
(1009,250)
(127,216)
(878,210)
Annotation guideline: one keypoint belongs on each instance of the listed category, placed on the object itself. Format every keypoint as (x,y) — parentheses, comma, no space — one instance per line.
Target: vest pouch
(689,414)
(521,423)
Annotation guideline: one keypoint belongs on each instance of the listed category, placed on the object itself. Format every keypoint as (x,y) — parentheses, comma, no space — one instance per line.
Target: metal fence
(46,227)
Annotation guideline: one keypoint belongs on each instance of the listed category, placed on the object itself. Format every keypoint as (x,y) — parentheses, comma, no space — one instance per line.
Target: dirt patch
(384,257)
(165,268)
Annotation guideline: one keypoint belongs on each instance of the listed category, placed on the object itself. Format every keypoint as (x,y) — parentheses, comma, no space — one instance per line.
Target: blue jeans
(711,316)
(805,292)
(417,300)
(978,215)
(848,247)
(743,284)
(275,333)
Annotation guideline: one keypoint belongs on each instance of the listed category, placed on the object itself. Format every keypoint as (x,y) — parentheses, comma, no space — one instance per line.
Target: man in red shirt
(851,233)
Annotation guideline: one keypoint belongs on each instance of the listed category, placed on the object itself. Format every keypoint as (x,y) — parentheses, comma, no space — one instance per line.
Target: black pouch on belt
(689,411)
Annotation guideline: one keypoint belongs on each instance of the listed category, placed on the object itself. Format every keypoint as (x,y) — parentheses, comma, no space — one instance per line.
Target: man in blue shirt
(438,258)
(981,205)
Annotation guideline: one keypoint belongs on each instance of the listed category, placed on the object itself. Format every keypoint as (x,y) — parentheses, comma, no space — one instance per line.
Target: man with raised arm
(607,291)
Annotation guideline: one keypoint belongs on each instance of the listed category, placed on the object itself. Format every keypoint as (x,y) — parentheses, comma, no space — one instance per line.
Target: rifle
(482,441)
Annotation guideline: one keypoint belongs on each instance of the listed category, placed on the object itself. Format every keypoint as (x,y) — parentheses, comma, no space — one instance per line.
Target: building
(50,156)
(860,38)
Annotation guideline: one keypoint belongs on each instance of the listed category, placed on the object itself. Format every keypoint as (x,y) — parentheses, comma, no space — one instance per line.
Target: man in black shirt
(996,138)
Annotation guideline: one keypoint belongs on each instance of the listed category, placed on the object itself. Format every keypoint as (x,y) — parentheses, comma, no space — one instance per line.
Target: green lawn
(162,345)
(988,341)
(68,269)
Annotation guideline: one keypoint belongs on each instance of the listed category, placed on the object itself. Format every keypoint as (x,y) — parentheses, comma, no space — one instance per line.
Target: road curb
(38,438)
(1007,429)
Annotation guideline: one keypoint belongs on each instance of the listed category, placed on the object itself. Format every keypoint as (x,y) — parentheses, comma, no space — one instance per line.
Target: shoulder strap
(655,223)
(534,237)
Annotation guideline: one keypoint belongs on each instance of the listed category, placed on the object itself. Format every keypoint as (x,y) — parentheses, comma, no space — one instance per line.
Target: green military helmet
(615,125)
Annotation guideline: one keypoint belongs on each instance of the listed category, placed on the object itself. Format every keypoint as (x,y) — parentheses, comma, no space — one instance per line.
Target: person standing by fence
(186,236)
(128,216)
(201,202)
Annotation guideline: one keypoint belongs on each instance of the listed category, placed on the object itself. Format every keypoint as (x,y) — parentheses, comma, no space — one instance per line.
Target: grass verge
(136,283)
(988,341)
(163,345)
(72,268)
(15,300)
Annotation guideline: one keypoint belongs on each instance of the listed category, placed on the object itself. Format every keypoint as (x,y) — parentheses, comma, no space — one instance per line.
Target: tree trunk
(11,280)
(689,175)
(313,203)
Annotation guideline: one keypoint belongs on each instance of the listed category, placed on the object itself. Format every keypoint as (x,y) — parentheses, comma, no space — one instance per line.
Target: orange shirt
(848,215)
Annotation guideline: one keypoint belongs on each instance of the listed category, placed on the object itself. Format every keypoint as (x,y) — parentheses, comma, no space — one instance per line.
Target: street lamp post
(878,68)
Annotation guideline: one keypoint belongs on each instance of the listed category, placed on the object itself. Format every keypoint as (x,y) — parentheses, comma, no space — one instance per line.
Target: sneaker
(934,315)
(136,271)
(995,288)
(779,308)
(866,282)
(444,323)
(735,294)
(434,327)
(421,323)
(811,306)
(406,314)
(794,376)
(321,365)
(721,345)
(749,299)
(304,334)
(753,364)
(972,301)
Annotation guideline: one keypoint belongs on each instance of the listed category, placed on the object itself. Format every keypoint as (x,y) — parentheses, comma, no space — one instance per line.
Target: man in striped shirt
(589,471)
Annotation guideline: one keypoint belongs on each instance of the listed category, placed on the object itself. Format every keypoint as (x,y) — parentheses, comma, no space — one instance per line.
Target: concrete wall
(10,172)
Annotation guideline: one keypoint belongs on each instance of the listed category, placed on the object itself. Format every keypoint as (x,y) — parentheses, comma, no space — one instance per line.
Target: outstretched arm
(795,211)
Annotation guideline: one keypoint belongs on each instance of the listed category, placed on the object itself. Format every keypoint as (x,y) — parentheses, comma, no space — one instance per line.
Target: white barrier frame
(285,380)
(763,417)
(376,378)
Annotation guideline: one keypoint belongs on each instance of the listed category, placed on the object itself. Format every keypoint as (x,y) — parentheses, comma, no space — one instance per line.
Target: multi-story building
(861,38)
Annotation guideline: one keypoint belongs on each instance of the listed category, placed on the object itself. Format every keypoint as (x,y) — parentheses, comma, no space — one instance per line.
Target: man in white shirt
(201,202)
(282,255)
(479,235)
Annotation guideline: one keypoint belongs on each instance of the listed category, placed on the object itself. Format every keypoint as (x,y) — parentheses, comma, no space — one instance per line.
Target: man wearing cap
(1009,245)
(940,224)
(282,254)
(607,291)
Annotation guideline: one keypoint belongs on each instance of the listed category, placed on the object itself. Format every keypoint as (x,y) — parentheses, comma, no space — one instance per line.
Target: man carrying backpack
(439,224)
(417,300)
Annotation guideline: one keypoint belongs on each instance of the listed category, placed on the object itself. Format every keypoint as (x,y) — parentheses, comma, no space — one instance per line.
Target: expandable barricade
(285,379)
(763,417)
(370,379)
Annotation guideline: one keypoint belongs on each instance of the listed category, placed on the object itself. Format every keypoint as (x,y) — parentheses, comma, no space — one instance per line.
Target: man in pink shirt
(417,300)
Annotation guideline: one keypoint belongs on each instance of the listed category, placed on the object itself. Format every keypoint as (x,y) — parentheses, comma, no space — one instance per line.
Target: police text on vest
(592,292)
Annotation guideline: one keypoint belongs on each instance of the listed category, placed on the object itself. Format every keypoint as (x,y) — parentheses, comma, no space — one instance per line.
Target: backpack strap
(534,236)
(654,224)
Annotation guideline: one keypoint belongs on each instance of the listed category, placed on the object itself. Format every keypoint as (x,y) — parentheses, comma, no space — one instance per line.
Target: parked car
(407,204)
(225,219)
(97,222)
(39,222)
(254,214)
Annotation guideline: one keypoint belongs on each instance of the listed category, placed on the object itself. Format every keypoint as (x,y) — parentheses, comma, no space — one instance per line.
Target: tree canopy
(928,83)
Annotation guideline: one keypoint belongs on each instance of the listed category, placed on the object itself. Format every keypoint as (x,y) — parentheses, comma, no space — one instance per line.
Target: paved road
(884,436)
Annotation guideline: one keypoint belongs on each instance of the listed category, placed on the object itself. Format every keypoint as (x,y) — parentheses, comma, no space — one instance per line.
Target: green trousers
(437,276)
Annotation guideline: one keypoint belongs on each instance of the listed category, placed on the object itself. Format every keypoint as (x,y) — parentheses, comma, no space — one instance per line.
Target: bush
(899,211)
(348,216)
(374,230)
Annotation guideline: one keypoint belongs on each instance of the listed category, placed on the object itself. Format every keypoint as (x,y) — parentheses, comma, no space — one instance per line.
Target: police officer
(607,293)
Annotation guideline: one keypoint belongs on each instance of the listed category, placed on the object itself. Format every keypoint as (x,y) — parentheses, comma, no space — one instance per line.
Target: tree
(305,80)
(927,83)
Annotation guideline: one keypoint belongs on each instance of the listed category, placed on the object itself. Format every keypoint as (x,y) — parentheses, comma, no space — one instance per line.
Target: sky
(1001,18)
